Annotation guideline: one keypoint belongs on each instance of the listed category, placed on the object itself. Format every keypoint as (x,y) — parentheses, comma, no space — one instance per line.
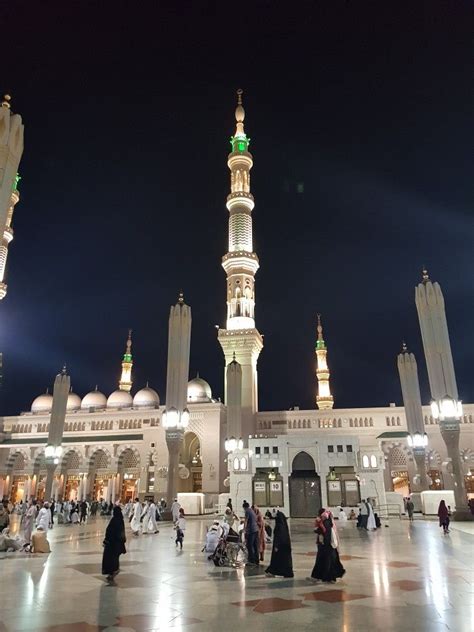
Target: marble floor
(403,577)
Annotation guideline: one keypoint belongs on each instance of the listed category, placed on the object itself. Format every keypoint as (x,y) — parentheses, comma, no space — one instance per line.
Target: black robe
(281,562)
(114,543)
(327,567)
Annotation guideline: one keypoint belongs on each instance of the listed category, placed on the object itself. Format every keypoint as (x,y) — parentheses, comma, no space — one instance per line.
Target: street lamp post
(175,418)
(174,423)
(53,450)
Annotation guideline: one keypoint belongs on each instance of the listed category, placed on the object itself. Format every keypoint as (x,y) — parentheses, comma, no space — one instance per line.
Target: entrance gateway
(305,487)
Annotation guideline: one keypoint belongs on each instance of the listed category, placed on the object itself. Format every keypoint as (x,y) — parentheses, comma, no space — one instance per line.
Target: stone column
(174,441)
(451,438)
(48,490)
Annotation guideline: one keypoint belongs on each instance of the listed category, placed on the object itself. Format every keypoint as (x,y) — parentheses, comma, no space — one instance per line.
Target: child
(180,526)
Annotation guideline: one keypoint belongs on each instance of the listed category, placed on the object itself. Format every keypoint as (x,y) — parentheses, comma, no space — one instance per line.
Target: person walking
(327,567)
(114,545)
(364,514)
(261,532)
(371,524)
(150,519)
(28,523)
(175,507)
(52,510)
(251,535)
(180,526)
(443,515)
(83,513)
(410,507)
(136,517)
(281,562)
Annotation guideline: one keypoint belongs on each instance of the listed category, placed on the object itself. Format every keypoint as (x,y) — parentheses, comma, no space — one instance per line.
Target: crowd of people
(254,531)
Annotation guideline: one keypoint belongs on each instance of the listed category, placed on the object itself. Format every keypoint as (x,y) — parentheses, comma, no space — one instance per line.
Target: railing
(390,510)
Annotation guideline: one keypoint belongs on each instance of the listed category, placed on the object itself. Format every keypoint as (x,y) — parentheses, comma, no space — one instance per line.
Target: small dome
(120,399)
(73,402)
(199,391)
(42,404)
(146,398)
(94,399)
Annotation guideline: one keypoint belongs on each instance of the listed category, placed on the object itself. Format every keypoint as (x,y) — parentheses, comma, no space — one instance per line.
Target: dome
(120,399)
(42,404)
(146,398)
(73,402)
(94,399)
(199,391)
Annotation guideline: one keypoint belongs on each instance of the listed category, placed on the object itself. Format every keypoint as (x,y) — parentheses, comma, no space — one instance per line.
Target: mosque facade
(114,447)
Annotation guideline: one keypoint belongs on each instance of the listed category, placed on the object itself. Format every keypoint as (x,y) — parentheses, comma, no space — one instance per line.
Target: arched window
(243,463)
(373,461)
(365,461)
(236,463)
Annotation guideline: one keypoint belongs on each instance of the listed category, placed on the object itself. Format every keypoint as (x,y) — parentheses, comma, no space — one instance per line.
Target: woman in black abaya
(281,563)
(327,567)
(114,545)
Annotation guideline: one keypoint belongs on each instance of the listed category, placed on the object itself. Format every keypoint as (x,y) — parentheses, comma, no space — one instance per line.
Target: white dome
(199,391)
(42,404)
(73,402)
(120,399)
(94,399)
(146,398)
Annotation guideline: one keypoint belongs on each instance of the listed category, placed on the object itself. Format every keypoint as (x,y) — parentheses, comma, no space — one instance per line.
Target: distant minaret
(324,399)
(125,383)
(8,236)
(240,337)
(11,151)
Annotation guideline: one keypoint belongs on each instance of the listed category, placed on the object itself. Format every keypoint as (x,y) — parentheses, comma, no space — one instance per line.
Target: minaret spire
(125,383)
(324,399)
(241,264)
(8,234)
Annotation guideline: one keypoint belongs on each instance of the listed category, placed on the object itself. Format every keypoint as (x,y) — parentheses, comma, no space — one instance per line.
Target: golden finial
(425,276)
(239,96)
(129,341)
(404,347)
(6,101)
(181,297)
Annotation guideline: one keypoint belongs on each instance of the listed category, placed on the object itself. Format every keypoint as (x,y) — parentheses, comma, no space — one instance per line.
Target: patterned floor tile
(333,596)
(271,604)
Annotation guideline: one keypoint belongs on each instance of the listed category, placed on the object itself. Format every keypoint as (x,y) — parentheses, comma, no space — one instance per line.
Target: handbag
(334,540)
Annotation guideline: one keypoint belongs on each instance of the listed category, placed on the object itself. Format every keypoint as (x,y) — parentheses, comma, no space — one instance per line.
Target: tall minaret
(125,383)
(11,150)
(324,399)
(8,236)
(240,337)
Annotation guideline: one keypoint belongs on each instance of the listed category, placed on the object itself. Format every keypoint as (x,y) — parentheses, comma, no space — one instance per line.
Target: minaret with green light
(125,383)
(240,336)
(324,399)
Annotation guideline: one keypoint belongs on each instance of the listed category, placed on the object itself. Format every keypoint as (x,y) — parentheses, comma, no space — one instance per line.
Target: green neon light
(16,181)
(239,143)
(320,344)
(127,357)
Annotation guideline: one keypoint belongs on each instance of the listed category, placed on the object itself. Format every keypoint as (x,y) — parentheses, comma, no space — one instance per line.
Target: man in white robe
(371,524)
(137,514)
(175,507)
(151,518)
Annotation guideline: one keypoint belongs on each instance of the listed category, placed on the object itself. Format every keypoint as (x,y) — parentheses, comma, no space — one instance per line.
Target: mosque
(114,446)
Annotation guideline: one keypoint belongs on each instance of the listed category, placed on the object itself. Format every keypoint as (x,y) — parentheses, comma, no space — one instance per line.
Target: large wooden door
(305,495)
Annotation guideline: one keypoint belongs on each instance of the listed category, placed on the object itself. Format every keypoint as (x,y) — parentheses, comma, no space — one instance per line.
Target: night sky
(360,116)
